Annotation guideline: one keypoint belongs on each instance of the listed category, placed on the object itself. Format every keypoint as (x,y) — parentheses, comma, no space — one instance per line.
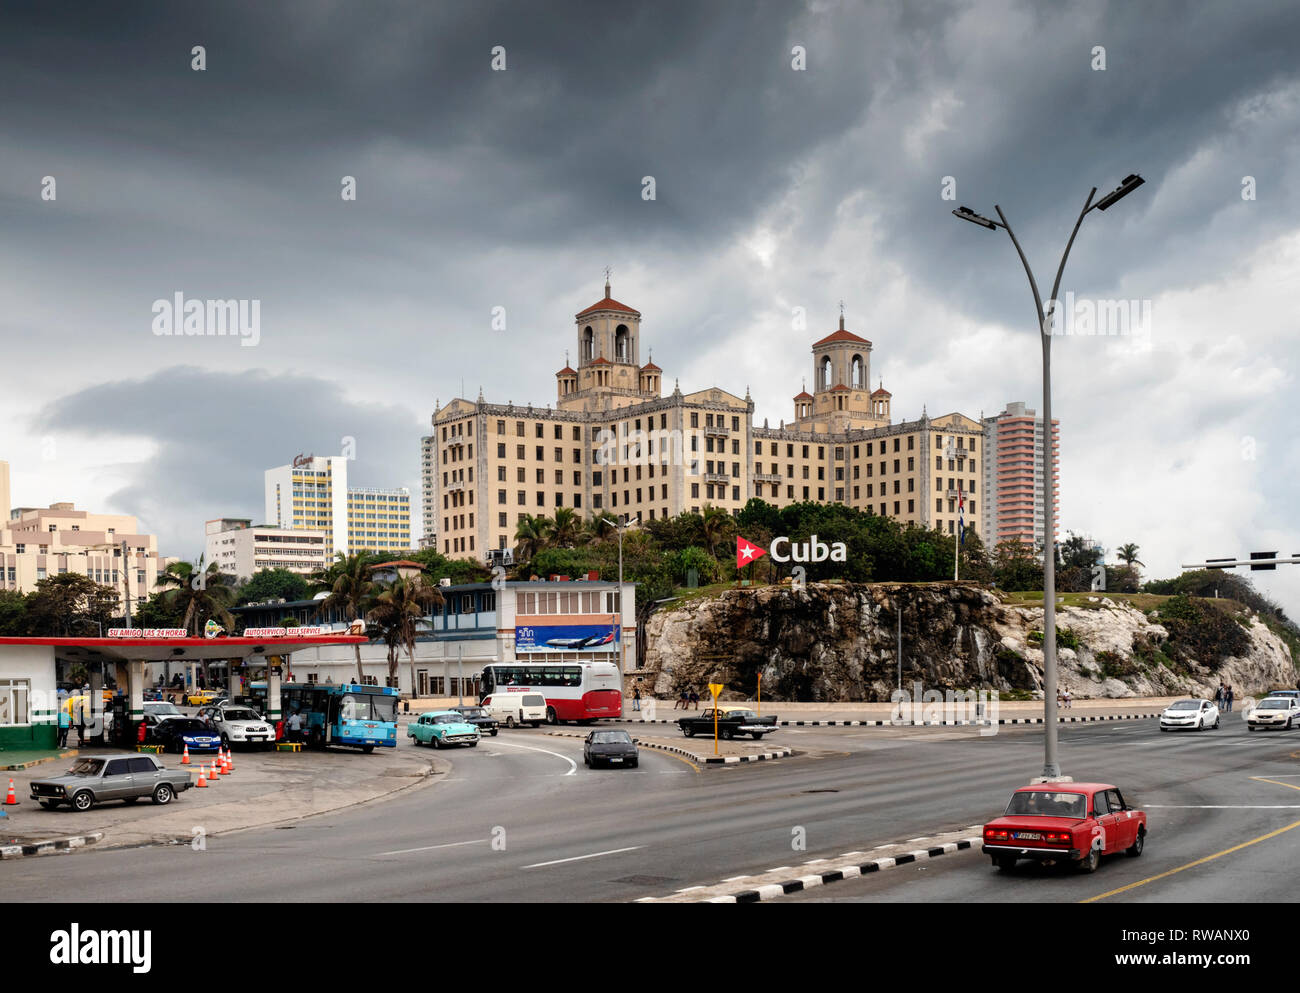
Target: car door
(1106,820)
(117,780)
(145,775)
(1126,823)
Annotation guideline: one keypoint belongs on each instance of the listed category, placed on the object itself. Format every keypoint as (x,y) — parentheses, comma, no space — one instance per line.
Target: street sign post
(715,689)
(760,694)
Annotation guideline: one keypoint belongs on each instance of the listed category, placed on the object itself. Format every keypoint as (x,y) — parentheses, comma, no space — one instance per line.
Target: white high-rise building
(312,493)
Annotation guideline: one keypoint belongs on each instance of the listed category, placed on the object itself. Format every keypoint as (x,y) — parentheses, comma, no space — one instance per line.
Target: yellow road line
(1208,858)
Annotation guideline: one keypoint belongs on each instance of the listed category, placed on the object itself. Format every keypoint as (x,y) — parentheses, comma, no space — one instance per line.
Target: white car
(1196,715)
(514,709)
(1274,712)
(242,725)
(162,710)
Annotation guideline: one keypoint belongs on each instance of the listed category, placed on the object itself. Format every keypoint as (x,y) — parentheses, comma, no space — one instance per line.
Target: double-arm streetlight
(1043,318)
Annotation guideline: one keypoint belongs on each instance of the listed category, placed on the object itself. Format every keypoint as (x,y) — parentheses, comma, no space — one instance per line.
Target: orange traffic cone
(222,767)
(10,799)
(212,772)
(203,780)
(230,761)
(185,756)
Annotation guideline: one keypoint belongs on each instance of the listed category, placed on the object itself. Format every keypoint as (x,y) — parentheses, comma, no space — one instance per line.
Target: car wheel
(757,736)
(726,734)
(535,724)
(550,716)
(1162,728)
(688,731)
(367,748)
(1249,728)
(1090,861)
(510,721)
(494,732)
(162,794)
(1216,724)
(225,740)
(435,741)
(634,763)
(48,804)
(1200,725)
(83,800)
(1136,850)
(130,799)
(1004,863)
(586,760)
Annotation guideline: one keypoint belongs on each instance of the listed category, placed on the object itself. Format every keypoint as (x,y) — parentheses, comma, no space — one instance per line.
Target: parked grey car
(92,780)
(611,747)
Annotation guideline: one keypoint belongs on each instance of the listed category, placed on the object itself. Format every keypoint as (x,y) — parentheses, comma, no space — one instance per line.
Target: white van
(514,709)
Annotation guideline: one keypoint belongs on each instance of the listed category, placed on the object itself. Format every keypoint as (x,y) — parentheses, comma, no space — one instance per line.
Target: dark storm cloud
(216,433)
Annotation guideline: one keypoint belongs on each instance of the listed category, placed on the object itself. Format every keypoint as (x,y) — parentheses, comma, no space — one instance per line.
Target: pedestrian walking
(1227,696)
(682,699)
(81,723)
(1218,696)
(636,697)
(695,699)
(1069,699)
(65,724)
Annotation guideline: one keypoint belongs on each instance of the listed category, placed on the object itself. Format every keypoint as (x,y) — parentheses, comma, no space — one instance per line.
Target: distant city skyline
(797,157)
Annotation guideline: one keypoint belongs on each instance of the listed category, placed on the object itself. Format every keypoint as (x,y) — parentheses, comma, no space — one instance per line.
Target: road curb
(50,846)
(903,724)
(847,870)
(779,753)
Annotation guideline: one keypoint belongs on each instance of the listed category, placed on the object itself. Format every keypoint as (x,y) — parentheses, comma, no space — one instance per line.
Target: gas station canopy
(187,649)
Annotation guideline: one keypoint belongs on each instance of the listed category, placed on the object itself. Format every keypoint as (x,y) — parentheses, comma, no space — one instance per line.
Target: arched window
(826,373)
(622,340)
(858,373)
(588,344)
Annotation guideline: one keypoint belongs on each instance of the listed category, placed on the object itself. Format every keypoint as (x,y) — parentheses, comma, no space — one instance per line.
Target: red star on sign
(746,552)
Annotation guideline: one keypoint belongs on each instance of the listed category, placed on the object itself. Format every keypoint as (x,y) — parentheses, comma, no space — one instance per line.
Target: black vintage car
(732,721)
(480,718)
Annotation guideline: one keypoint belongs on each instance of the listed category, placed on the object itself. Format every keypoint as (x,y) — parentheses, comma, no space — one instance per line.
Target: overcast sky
(776,188)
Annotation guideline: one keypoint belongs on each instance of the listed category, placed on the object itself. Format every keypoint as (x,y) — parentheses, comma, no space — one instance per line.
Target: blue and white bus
(347,714)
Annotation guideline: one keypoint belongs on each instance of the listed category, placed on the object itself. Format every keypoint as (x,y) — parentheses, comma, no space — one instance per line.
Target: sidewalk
(15,760)
(265,788)
(789,713)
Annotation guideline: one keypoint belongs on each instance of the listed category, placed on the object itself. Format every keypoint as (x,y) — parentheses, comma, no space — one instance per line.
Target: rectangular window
(14,696)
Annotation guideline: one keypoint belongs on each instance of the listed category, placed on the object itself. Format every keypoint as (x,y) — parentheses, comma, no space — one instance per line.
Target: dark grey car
(94,779)
(610,748)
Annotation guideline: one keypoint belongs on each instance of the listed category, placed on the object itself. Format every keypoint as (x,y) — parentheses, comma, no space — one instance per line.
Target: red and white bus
(574,691)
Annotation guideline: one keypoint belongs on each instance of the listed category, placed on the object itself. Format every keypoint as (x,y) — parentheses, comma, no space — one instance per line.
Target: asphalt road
(521,818)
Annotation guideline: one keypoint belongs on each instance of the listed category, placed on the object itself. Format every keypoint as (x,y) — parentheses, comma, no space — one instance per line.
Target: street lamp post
(1043,318)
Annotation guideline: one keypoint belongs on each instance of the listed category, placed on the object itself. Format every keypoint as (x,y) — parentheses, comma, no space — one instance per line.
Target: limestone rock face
(838,642)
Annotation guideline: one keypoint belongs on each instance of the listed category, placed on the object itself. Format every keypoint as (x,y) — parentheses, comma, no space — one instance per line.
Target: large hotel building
(1013,488)
(615,442)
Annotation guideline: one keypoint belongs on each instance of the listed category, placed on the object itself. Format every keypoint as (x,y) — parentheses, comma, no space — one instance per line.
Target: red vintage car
(1065,822)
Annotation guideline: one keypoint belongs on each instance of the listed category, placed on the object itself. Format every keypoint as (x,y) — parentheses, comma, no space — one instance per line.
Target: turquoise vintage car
(442,727)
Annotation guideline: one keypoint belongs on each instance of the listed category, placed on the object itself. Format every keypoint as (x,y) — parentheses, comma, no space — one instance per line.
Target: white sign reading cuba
(812,550)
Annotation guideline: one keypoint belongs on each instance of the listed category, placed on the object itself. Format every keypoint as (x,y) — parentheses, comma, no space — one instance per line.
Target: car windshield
(231,714)
(1186,705)
(1274,703)
(1041,803)
(473,712)
(187,724)
(86,767)
(161,708)
(610,737)
(447,719)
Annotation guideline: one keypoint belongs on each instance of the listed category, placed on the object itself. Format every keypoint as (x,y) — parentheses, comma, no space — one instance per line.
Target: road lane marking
(429,848)
(1208,858)
(573,766)
(579,858)
(1222,806)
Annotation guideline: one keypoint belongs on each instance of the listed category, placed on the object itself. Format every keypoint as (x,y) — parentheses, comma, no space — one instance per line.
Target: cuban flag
(961,516)
(747,552)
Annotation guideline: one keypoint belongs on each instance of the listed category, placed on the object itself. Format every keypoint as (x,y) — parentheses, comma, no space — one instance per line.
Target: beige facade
(312,493)
(613,442)
(38,543)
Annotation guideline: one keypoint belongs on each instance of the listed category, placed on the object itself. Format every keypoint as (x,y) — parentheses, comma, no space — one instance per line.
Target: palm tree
(1128,554)
(400,610)
(562,529)
(600,526)
(350,589)
(530,537)
(716,522)
(198,594)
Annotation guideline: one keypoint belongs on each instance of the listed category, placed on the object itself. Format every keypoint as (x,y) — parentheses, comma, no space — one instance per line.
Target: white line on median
(579,858)
(573,766)
(429,848)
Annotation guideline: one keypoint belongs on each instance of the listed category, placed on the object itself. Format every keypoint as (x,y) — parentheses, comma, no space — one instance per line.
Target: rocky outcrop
(838,642)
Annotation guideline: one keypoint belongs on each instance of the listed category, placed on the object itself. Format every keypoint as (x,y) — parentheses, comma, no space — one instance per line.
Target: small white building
(241,548)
